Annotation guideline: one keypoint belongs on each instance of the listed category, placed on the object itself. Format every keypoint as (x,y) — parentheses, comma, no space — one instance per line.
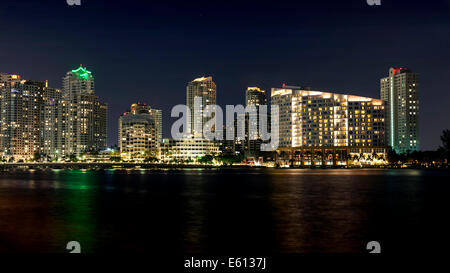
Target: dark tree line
(438,158)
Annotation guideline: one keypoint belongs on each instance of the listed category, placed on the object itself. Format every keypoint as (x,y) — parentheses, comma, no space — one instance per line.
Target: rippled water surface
(224,211)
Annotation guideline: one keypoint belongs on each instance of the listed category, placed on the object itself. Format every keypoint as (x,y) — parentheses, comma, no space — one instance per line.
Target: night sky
(147,52)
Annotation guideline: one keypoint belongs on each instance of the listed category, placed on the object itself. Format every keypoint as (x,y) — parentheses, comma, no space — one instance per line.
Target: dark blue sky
(147,51)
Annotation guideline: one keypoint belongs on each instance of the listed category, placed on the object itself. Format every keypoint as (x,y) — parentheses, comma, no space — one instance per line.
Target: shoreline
(130,165)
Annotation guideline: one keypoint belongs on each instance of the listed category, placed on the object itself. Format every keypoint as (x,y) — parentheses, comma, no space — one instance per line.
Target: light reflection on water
(220,210)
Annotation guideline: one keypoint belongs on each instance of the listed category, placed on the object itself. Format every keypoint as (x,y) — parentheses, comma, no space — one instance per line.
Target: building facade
(51,123)
(204,89)
(324,119)
(327,129)
(254,97)
(140,132)
(20,115)
(187,149)
(248,143)
(84,117)
(400,92)
(156,114)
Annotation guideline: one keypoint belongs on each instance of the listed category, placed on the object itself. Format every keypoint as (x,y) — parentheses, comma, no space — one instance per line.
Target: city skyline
(344,51)
(224,135)
(204,86)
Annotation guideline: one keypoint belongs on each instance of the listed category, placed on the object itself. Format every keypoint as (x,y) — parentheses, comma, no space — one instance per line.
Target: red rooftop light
(399,69)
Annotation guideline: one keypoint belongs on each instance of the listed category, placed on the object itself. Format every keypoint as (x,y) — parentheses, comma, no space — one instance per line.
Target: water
(225,211)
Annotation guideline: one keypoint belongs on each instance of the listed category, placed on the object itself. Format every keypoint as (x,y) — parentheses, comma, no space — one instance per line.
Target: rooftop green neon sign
(82,72)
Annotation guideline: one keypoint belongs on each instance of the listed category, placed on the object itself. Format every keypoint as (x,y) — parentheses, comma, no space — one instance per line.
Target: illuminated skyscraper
(400,92)
(30,118)
(84,116)
(205,90)
(20,115)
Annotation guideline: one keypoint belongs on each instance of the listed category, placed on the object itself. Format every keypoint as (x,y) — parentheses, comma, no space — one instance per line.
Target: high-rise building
(39,123)
(400,92)
(143,108)
(51,117)
(323,119)
(157,116)
(255,96)
(139,131)
(204,89)
(37,119)
(78,81)
(84,116)
(20,115)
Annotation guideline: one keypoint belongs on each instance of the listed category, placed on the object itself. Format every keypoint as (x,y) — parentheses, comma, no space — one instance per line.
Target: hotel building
(400,92)
(316,121)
